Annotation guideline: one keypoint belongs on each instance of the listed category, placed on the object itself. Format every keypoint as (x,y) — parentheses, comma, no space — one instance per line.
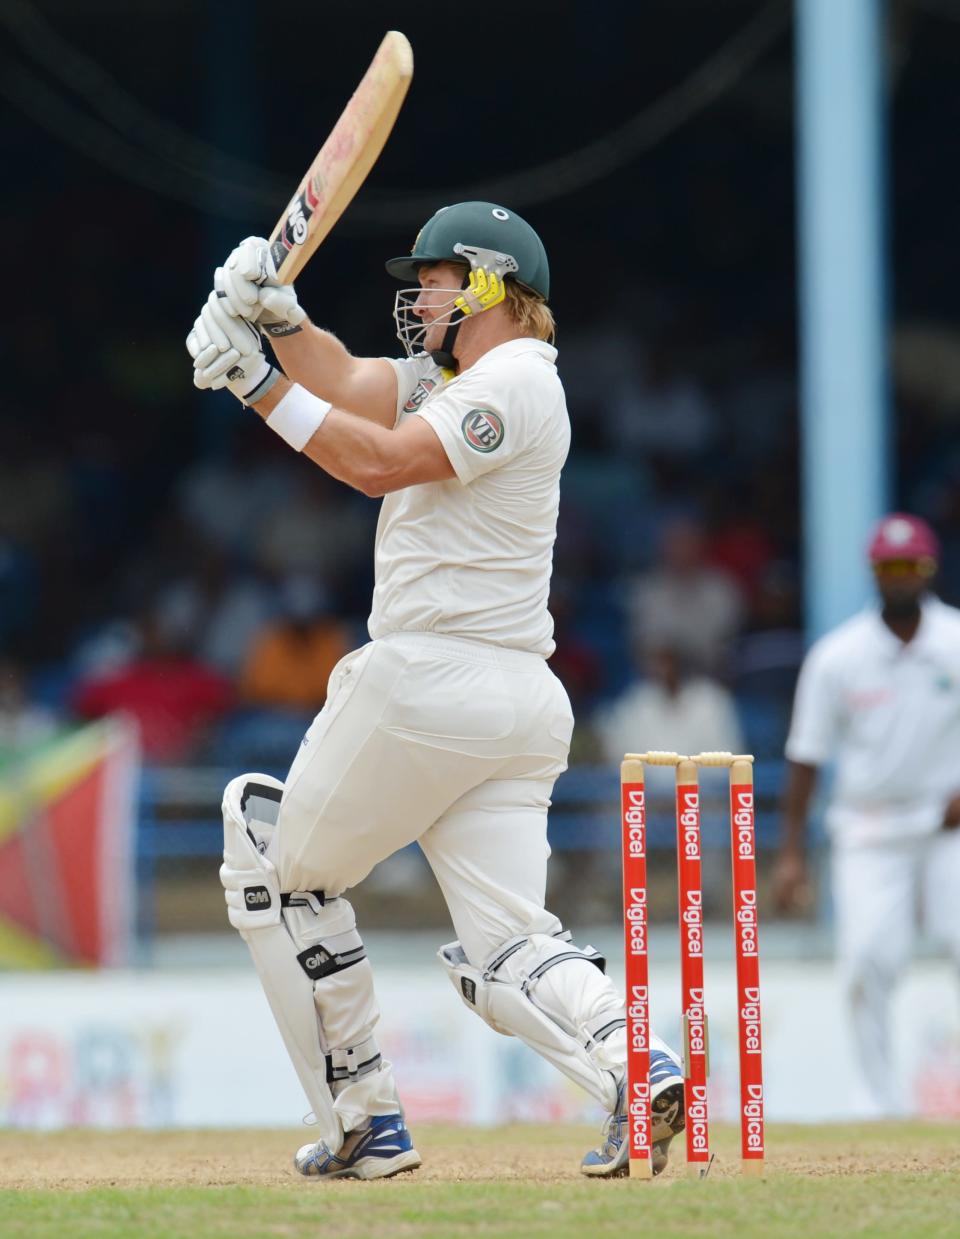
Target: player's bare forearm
(355,451)
(801,783)
(366,456)
(314,358)
(790,881)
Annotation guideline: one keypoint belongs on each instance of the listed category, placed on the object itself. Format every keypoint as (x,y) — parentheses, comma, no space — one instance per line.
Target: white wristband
(298,416)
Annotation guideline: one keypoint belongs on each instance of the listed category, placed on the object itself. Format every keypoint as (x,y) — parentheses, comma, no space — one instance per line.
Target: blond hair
(530,312)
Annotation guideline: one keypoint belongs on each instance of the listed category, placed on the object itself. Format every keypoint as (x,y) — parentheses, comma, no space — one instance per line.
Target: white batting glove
(228,352)
(248,283)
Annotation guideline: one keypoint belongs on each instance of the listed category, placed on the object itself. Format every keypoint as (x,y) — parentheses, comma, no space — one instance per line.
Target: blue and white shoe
(666,1104)
(380,1148)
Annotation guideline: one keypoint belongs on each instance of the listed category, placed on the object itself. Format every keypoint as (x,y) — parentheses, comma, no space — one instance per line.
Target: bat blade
(345,159)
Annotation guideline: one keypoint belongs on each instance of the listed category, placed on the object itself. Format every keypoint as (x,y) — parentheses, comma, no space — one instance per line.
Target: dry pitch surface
(873,1180)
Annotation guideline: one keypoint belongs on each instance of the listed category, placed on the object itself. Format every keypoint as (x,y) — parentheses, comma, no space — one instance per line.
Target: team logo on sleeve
(421,392)
(483,430)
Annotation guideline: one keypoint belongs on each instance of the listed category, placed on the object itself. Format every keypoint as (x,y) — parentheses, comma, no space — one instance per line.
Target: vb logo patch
(483,430)
(421,392)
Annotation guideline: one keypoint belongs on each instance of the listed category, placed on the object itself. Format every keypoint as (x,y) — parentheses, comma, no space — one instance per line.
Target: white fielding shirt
(888,714)
(472,557)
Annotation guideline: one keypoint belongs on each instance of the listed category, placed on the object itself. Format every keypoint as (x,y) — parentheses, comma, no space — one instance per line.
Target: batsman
(448,728)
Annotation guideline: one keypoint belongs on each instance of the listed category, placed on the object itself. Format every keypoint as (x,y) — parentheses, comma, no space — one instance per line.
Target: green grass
(874,1181)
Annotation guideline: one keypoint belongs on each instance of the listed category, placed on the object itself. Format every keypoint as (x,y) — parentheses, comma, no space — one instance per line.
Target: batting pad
(554,997)
(254,907)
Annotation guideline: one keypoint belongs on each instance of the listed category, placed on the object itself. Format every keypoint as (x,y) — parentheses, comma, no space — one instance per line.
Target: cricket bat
(343,162)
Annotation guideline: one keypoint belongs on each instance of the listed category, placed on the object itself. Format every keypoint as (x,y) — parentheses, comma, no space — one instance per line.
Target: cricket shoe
(666,1108)
(380,1148)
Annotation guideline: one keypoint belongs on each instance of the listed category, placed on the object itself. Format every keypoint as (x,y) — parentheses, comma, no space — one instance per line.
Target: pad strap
(253,792)
(589,953)
(510,948)
(335,954)
(601,1028)
(353,1062)
(304,899)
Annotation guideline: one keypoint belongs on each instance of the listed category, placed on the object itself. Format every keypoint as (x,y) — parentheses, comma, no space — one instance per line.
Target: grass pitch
(870,1180)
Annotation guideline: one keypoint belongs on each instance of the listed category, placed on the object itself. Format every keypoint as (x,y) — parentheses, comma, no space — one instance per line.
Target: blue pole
(843,312)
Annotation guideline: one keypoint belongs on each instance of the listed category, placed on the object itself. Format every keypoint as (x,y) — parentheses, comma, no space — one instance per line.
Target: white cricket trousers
(882,893)
(452,743)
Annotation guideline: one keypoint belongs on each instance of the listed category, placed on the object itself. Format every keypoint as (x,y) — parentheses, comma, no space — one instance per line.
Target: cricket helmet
(482,226)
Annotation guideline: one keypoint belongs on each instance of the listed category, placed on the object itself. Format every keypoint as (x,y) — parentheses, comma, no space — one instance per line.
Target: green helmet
(485,226)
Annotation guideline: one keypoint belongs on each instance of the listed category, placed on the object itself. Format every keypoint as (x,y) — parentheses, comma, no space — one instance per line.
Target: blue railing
(179,816)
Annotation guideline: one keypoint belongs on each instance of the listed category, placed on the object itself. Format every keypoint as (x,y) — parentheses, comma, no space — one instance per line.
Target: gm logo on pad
(317,963)
(257,898)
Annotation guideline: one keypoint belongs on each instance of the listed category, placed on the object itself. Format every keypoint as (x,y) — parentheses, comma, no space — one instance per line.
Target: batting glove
(228,352)
(247,281)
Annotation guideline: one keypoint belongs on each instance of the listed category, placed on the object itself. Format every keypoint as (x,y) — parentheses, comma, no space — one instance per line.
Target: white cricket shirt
(472,557)
(888,714)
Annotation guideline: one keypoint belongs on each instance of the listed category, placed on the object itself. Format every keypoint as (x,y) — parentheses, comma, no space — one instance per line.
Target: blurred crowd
(209,588)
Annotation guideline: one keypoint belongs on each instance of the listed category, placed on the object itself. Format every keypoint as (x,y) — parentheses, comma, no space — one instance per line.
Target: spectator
(669,709)
(741,541)
(290,661)
(23,724)
(316,530)
(769,654)
(767,660)
(172,696)
(667,411)
(33,494)
(220,608)
(226,498)
(684,602)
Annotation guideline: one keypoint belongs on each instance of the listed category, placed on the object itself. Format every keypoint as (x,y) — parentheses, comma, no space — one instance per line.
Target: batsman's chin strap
(484,286)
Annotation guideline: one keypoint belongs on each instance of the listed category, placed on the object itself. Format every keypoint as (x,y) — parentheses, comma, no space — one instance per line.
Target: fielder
(880,697)
(448,728)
